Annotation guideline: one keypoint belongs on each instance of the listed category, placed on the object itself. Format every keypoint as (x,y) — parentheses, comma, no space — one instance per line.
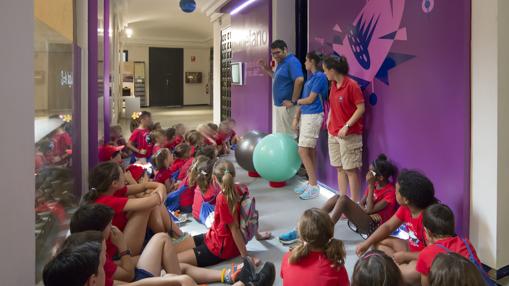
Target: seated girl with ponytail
(108,187)
(319,258)
(224,240)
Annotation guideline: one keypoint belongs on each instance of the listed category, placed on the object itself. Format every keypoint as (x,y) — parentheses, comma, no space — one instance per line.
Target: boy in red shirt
(438,221)
(140,142)
(111,153)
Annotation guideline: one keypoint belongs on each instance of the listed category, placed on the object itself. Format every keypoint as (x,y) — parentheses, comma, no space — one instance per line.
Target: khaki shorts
(284,119)
(310,125)
(346,152)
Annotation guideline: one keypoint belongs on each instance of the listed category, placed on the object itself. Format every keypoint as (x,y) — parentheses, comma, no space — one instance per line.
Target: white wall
(193,93)
(490,136)
(17,152)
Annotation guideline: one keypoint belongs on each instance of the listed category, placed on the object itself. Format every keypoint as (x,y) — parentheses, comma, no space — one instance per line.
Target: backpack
(472,259)
(248,216)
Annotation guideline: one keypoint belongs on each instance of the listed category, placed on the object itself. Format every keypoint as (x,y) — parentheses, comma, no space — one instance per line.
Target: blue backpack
(173,200)
(472,259)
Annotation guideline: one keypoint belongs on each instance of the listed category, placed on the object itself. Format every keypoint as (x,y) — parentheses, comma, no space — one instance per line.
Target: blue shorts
(140,274)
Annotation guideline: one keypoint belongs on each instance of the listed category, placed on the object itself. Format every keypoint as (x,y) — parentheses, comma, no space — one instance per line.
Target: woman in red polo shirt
(345,125)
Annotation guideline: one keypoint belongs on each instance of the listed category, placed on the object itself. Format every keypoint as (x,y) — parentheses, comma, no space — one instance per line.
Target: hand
(400,257)
(143,151)
(287,103)
(342,133)
(295,124)
(370,177)
(361,249)
(162,193)
(262,63)
(117,238)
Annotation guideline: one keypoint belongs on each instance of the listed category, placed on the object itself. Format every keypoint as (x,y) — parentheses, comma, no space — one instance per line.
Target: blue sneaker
(289,237)
(310,193)
(301,189)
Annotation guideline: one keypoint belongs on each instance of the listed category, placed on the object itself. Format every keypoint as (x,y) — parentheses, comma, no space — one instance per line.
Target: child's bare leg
(159,254)
(410,275)
(188,257)
(392,245)
(355,184)
(201,275)
(183,245)
(330,203)
(135,230)
(342,181)
(344,205)
(167,280)
(155,222)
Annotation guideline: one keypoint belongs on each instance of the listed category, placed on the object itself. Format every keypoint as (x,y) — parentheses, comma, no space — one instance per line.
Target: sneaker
(248,272)
(266,276)
(310,193)
(301,189)
(289,237)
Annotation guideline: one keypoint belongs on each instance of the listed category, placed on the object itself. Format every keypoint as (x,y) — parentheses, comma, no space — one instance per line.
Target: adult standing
(345,125)
(310,114)
(287,83)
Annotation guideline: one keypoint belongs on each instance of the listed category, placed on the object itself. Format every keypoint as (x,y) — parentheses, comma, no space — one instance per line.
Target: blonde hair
(316,232)
(161,156)
(224,171)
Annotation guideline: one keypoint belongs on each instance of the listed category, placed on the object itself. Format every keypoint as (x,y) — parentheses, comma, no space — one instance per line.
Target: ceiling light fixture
(129,32)
(241,7)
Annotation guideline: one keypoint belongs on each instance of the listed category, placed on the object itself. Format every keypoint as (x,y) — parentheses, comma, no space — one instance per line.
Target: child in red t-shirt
(454,269)
(108,187)
(208,134)
(318,259)
(159,139)
(182,154)
(376,268)
(195,139)
(206,189)
(438,221)
(224,240)
(414,193)
(175,135)
(140,142)
(169,135)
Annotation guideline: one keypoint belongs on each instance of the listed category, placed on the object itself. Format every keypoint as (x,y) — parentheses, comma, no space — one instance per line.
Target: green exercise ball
(276,157)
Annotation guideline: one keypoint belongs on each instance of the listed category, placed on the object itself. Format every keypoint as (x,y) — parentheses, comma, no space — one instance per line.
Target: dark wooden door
(166,72)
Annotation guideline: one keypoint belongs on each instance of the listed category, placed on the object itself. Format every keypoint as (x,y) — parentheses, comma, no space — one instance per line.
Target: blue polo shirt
(319,84)
(286,73)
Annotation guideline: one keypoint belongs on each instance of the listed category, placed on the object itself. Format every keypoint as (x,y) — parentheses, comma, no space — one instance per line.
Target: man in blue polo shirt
(287,83)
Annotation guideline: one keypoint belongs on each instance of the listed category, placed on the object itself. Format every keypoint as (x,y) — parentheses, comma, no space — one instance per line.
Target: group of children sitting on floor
(125,232)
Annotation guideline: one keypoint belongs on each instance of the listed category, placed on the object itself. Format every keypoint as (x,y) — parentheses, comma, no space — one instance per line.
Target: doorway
(166,72)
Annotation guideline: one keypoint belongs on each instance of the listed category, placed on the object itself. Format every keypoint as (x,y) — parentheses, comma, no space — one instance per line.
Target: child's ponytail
(299,252)
(90,196)
(335,252)
(204,174)
(224,171)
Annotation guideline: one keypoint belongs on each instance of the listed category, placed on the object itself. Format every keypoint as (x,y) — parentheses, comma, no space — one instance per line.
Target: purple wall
(251,34)
(422,116)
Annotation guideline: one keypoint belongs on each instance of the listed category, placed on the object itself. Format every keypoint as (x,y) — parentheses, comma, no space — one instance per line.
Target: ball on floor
(276,157)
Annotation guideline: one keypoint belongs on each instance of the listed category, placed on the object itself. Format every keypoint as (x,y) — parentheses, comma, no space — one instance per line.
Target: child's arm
(150,201)
(125,267)
(405,256)
(380,234)
(131,147)
(138,188)
(238,238)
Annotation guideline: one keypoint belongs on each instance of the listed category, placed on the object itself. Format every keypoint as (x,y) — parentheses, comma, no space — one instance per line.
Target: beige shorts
(346,152)
(310,125)
(284,119)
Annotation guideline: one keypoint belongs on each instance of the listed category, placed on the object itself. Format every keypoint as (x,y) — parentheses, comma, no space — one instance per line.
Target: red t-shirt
(156,149)
(139,139)
(63,141)
(219,239)
(314,269)
(163,175)
(343,103)
(109,270)
(177,140)
(428,254)
(177,164)
(187,196)
(416,242)
(184,169)
(212,192)
(388,194)
(117,202)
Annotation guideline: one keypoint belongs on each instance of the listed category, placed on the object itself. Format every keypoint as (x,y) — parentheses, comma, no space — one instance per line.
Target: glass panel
(54,92)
